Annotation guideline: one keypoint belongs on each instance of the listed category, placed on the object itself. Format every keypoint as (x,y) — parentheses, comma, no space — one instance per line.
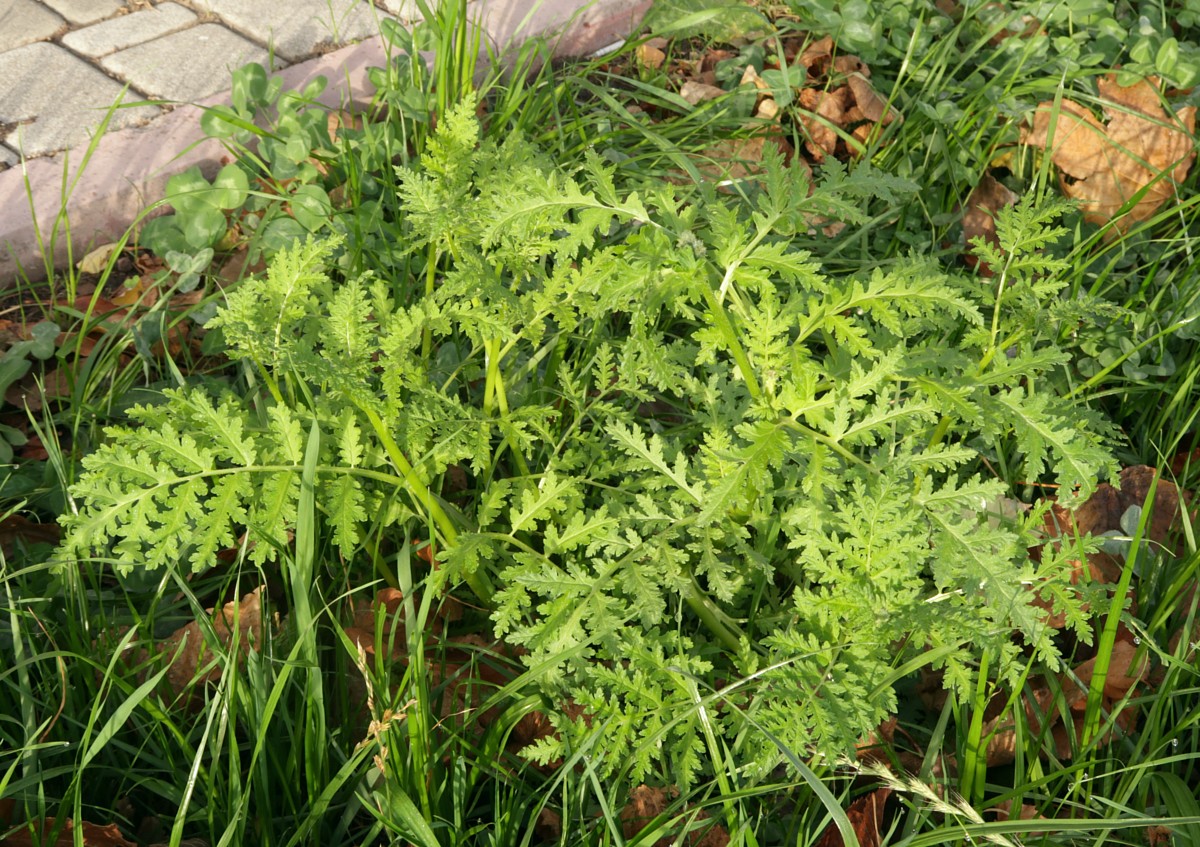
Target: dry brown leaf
(1028,812)
(866,816)
(15,528)
(651,55)
(94,835)
(847,64)
(1158,836)
(189,652)
(698,92)
(143,292)
(31,390)
(1122,674)
(646,803)
(875,747)
(1105,166)
(828,109)
(97,260)
(549,825)
(816,56)
(340,119)
(750,77)
(1121,677)
(238,266)
(737,158)
(874,108)
(767,109)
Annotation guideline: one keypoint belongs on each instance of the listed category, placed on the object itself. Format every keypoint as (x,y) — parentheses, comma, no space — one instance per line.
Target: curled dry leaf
(652,53)
(737,158)
(848,102)
(1041,704)
(872,107)
(1158,836)
(979,219)
(646,803)
(31,391)
(828,110)
(190,653)
(93,835)
(866,815)
(817,56)
(16,530)
(1142,147)
(1125,670)
(549,825)
(697,92)
(97,260)
(536,725)
(1027,812)
(1102,512)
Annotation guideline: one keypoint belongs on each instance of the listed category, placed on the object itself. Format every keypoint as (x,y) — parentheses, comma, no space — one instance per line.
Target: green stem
(993,346)
(420,491)
(431,263)
(725,327)
(974,761)
(832,444)
(700,603)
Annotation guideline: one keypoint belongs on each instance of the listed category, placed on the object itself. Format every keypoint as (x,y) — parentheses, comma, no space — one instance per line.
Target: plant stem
(725,327)
(699,603)
(431,263)
(420,491)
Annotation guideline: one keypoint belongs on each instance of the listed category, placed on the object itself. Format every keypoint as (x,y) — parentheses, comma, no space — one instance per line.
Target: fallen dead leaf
(866,815)
(979,219)
(1040,704)
(652,53)
(93,835)
(737,158)
(31,391)
(646,803)
(1142,147)
(15,529)
(1122,674)
(1158,836)
(189,651)
(816,57)
(828,110)
(549,825)
(1027,812)
(873,107)
(97,260)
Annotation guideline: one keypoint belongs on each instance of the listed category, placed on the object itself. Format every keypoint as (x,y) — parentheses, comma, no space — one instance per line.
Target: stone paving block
(24,22)
(158,67)
(8,158)
(85,11)
(127,30)
(295,28)
(65,97)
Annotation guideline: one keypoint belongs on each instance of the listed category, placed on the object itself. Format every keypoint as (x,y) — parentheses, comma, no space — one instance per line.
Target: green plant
(14,364)
(697,460)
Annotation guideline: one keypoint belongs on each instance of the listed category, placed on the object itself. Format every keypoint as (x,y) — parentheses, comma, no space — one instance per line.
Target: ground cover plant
(778,431)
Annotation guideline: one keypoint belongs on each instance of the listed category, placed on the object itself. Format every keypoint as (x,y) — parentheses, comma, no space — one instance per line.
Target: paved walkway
(63,63)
